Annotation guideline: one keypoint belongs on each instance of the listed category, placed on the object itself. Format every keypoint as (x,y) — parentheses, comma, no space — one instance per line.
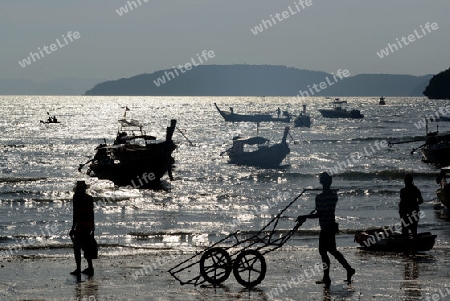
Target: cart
(245,258)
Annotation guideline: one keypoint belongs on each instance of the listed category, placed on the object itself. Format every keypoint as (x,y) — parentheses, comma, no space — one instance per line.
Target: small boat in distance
(339,112)
(378,240)
(382,102)
(233,117)
(303,119)
(133,160)
(50,119)
(264,156)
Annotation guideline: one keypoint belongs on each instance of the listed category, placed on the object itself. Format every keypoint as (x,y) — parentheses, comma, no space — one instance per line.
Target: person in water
(82,227)
(410,199)
(325,209)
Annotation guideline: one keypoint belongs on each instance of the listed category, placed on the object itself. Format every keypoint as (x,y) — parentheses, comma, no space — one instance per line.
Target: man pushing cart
(245,258)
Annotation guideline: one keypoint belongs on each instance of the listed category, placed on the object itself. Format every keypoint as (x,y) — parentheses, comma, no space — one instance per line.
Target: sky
(325,35)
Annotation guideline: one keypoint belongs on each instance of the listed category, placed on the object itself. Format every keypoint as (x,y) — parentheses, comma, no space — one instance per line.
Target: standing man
(82,227)
(325,208)
(410,199)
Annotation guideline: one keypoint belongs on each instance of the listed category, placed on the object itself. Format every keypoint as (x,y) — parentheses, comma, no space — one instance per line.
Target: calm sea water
(209,198)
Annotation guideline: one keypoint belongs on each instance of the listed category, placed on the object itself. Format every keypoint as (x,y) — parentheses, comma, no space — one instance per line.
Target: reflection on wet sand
(86,290)
(338,293)
(411,286)
(223,292)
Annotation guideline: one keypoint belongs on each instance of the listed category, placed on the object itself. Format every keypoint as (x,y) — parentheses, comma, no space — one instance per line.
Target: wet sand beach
(291,275)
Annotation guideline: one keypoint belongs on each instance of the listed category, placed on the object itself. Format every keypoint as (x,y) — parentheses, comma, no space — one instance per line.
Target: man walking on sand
(82,227)
(325,208)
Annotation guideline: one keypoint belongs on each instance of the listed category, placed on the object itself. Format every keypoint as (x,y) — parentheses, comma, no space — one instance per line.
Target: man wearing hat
(82,227)
(410,199)
(325,209)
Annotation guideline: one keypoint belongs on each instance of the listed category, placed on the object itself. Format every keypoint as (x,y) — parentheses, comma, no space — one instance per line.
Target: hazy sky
(158,34)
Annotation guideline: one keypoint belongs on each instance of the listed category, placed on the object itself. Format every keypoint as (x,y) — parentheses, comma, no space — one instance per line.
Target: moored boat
(378,240)
(264,156)
(436,148)
(136,160)
(50,119)
(233,117)
(303,119)
(339,112)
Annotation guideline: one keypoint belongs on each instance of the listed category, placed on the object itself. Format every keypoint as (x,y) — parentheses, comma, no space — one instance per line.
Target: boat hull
(443,196)
(302,121)
(377,240)
(437,153)
(331,113)
(134,164)
(140,167)
(48,122)
(265,157)
(233,117)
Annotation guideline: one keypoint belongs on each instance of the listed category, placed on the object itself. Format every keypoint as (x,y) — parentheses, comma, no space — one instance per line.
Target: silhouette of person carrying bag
(82,232)
(325,208)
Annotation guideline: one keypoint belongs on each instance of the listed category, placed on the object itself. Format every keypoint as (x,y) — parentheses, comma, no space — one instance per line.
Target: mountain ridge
(259,80)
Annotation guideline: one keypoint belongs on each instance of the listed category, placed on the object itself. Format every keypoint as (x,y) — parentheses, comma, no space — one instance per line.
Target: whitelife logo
(132,5)
(411,38)
(169,75)
(265,24)
(70,37)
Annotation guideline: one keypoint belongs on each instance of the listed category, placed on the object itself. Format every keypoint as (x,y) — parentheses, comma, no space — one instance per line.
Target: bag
(91,248)
(94,249)
(336,228)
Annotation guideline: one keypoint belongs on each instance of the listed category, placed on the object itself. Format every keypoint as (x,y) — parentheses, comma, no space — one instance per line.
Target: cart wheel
(249,268)
(215,265)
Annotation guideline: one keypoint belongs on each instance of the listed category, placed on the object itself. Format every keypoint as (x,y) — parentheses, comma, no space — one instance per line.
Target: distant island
(439,86)
(259,80)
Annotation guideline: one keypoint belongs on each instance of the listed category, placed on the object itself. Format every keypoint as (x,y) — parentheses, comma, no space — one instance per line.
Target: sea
(209,198)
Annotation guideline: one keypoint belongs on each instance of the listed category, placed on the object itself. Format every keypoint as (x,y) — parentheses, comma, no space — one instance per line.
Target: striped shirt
(326,206)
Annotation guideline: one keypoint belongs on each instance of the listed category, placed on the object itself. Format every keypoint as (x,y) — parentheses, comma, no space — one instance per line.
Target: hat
(80,185)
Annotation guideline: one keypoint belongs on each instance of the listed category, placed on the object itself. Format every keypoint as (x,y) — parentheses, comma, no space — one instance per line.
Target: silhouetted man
(82,227)
(410,199)
(325,208)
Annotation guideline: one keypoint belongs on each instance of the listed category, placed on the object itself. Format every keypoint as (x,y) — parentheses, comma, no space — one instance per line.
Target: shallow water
(209,198)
